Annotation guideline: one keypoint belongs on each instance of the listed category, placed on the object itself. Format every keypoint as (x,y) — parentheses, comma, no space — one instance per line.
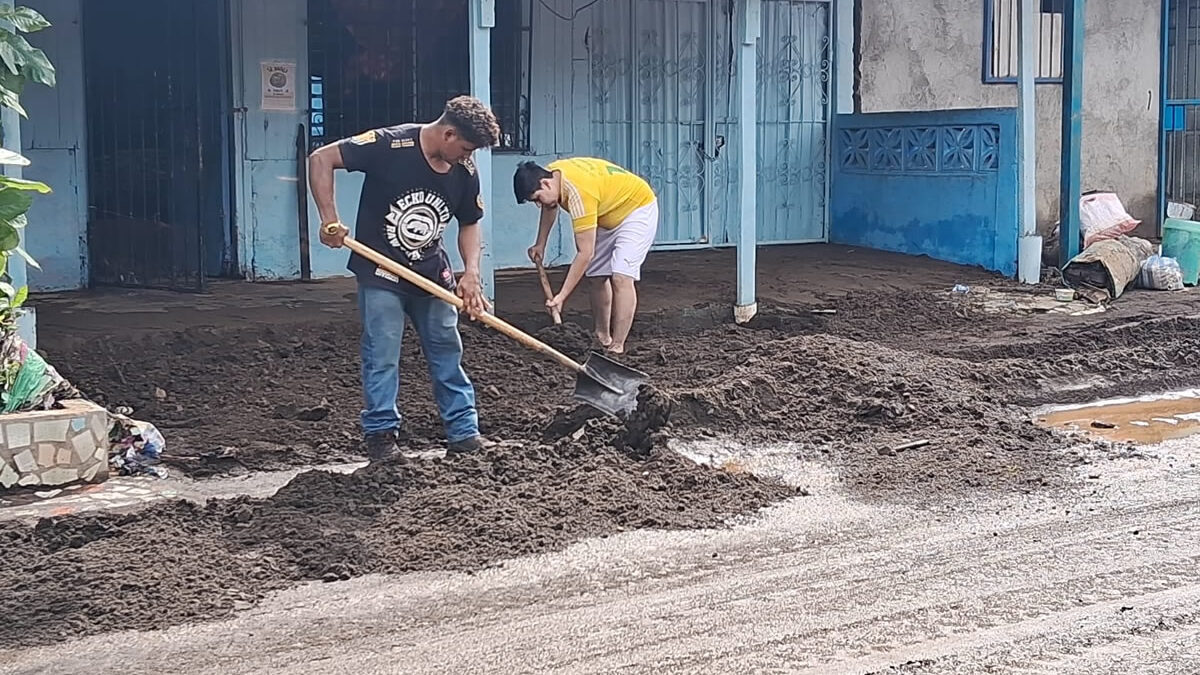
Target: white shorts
(623,249)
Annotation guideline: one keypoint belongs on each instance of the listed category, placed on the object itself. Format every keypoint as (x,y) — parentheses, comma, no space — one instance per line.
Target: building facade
(174,157)
(175,137)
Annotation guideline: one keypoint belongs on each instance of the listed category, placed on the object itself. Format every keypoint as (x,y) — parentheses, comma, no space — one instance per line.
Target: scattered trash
(160,394)
(29,383)
(1102,216)
(1181,210)
(911,445)
(1098,424)
(135,448)
(959,288)
(1064,294)
(1160,273)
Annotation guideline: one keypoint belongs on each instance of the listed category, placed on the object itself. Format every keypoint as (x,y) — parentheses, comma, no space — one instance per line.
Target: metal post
(747,304)
(1029,251)
(483,19)
(1072,130)
(302,202)
(1164,93)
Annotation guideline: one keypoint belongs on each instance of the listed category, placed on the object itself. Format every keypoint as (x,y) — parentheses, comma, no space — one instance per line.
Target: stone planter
(54,447)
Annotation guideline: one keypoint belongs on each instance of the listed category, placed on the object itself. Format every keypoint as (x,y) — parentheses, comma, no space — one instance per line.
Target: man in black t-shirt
(417,176)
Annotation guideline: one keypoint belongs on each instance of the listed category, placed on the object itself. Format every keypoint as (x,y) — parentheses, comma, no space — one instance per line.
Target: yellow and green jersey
(598,193)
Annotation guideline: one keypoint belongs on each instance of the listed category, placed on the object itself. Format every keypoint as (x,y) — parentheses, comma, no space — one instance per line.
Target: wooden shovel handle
(548,292)
(487,317)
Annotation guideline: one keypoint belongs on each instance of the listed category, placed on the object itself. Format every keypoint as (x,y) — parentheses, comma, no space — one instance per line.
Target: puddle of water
(1145,420)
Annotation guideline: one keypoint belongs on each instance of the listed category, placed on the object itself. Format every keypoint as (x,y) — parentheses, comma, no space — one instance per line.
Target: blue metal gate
(663,103)
(649,92)
(1181,117)
(794,66)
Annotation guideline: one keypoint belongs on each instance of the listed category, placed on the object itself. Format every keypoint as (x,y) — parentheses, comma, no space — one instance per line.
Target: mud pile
(178,562)
(1119,357)
(864,406)
(222,396)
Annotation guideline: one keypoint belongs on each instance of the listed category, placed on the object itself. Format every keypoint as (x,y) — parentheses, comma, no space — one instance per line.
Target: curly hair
(473,120)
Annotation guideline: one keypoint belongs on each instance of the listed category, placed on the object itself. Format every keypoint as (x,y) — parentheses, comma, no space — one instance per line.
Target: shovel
(547,291)
(600,382)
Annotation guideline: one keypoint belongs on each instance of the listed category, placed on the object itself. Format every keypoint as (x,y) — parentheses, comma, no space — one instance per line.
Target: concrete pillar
(747,301)
(1029,250)
(483,19)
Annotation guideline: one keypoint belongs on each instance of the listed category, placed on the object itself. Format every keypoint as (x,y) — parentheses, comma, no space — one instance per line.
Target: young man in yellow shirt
(614,214)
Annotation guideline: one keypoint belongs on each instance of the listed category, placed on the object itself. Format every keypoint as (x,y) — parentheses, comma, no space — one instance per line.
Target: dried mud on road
(851,389)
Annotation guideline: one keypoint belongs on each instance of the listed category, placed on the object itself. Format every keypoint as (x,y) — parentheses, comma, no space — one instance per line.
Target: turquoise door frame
(1179,136)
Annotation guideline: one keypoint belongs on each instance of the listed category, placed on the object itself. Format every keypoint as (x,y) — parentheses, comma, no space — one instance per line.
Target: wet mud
(178,562)
(904,395)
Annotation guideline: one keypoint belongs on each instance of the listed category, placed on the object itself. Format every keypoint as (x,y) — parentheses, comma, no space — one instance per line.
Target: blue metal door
(1181,116)
(794,65)
(649,83)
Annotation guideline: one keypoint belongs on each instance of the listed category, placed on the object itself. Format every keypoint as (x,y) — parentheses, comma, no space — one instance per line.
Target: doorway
(158,129)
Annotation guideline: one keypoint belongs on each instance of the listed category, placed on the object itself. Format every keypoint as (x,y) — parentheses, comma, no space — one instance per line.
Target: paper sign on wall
(279,85)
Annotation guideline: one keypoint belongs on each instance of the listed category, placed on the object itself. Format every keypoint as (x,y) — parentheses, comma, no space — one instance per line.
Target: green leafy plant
(22,62)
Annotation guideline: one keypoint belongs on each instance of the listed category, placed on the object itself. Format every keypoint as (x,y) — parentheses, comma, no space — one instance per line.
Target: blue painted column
(747,302)
(1164,93)
(1029,249)
(1072,130)
(10,138)
(483,19)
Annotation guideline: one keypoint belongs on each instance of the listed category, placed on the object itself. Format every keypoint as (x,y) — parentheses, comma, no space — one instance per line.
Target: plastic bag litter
(135,447)
(1161,274)
(1102,216)
(29,382)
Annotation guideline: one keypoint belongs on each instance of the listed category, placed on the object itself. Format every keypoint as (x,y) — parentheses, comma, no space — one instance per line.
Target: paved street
(1099,580)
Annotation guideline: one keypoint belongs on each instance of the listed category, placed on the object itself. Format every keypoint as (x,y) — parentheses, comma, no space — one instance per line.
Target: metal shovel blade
(607,385)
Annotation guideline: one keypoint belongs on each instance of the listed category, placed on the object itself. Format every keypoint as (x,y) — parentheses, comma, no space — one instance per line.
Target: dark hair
(472,120)
(528,180)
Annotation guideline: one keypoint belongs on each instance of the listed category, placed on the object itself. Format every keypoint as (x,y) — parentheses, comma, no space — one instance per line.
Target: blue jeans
(436,322)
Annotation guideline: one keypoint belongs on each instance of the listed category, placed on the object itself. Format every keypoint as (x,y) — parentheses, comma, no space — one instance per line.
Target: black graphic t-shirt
(405,205)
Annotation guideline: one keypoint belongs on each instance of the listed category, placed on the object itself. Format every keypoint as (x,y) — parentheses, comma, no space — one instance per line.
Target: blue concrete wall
(941,184)
(265,176)
(53,140)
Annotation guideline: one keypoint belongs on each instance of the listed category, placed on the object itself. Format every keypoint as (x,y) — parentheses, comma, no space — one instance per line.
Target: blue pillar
(747,304)
(1029,251)
(1164,93)
(1072,129)
(10,134)
(483,19)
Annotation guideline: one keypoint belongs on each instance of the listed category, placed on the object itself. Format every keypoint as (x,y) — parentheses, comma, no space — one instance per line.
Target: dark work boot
(467,445)
(381,445)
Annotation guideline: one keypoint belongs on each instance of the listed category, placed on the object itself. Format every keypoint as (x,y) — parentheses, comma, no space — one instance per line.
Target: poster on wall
(279,85)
